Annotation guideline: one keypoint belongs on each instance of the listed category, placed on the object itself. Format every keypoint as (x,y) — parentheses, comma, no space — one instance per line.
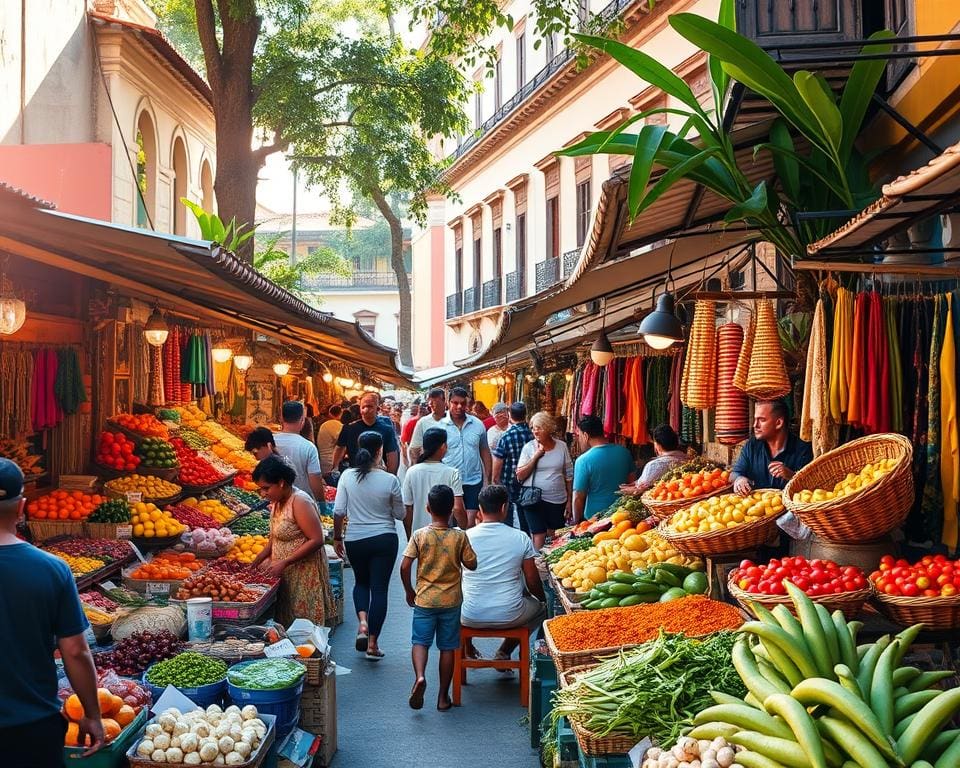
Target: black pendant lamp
(662,328)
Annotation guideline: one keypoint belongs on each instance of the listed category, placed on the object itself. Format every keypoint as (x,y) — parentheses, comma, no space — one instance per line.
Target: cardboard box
(318,715)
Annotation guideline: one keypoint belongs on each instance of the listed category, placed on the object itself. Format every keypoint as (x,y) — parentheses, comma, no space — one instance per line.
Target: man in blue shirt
(773,455)
(39,613)
(599,471)
(467,450)
(506,458)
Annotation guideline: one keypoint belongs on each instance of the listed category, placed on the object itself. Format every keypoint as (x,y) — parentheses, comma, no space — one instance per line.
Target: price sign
(108,585)
(226,613)
(158,588)
(134,497)
(282,648)
(124,531)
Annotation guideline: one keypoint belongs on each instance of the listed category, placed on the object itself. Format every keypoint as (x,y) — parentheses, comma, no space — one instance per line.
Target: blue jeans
(444,623)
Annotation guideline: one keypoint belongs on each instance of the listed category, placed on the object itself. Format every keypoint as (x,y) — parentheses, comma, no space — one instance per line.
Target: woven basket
(743,361)
(102,530)
(933,612)
(41,530)
(851,603)
(160,502)
(767,378)
(663,509)
(568,660)
(590,743)
(868,514)
(740,538)
(316,666)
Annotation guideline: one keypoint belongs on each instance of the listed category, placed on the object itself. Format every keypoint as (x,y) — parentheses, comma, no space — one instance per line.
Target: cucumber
(848,680)
(812,630)
(927,724)
(928,679)
(773,676)
(881,686)
(851,741)
(906,638)
(674,593)
(786,751)
(680,571)
(830,633)
(667,578)
(902,725)
(848,651)
(620,590)
(905,676)
(610,602)
(725,698)
(635,600)
(912,702)
(592,605)
(783,663)
(750,759)
(802,725)
(745,717)
(789,624)
(622,578)
(746,665)
(939,747)
(797,653)
(642,588)
(869,662)
(711,731)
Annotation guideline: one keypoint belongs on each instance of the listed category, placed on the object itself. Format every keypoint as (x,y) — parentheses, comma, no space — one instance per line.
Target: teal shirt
(599,473)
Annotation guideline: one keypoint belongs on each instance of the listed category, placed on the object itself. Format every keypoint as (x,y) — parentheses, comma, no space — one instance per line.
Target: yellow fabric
(841,355)
(949,440)
(817,425)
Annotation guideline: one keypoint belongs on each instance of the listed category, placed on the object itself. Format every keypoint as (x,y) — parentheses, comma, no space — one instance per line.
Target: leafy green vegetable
(267,674)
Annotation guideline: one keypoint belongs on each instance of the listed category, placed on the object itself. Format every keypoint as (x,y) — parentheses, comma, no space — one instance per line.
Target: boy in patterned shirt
(440,551)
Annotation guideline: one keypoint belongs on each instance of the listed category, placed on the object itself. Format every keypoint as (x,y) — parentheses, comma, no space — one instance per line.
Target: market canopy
(177,271)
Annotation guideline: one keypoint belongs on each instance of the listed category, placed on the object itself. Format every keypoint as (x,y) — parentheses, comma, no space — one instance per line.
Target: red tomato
(910,590)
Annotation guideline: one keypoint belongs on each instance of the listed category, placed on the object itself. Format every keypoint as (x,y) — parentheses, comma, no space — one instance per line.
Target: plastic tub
(114,754)
(203,696)
(284,703)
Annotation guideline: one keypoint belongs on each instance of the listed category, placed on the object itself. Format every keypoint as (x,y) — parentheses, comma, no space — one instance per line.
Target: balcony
(356,281)
(471,300)
(514,287)
(492,292)
(548,274)
(570,259)
(454,305)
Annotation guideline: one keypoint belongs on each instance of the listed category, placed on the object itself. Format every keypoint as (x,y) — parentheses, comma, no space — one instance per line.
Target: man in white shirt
(300,452)
(437,399)
(501,415)
(493,595)
(327,438)
(467,450)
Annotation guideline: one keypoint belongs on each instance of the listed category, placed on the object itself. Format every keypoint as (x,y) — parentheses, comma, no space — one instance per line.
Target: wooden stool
(461,662)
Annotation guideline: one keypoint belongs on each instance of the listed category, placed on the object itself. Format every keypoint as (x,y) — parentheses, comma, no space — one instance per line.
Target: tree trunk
(404,332)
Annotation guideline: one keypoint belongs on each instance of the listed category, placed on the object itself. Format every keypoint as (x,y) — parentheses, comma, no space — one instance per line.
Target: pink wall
(438,301)
(76,178)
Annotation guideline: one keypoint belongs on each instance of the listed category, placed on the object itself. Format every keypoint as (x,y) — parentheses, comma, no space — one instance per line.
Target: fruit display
(573,545)
(212,508)
(132,655)
(694,753)
(814,577)
(115,715)
(108,550)
(21,452)
(190,415)
(660,583)
(111,511)
(246,548)
(692,466)
(583,570)
(256,523)
(690,485)
(186,670)
(852,483)
(193,439)
(622,530)
(116,451)
(218,586)
(818,698)
(157,453)
(242,493)
(931,576)
(99,601)
(242,572)
(63,505)
(205,737)
(151,487)
(191,516)
(145,424)
(79,566)
(194,470)
(209,542)
(149,522)
(97,617)
(631,505)
(168,566)
(727,511)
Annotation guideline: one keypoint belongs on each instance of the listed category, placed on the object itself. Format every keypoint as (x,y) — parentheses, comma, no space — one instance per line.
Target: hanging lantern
(281,368)
(243,359)
(661,329)
(155,331)
(221,353)
(13,310)
(347,383)
(327,377)
(601,352)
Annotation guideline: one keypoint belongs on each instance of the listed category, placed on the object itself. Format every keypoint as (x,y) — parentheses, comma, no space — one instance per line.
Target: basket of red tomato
(836,587)
(927,591)
(116,454)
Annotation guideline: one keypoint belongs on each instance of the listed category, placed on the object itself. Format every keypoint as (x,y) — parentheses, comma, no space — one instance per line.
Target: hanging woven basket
(733,418)
(700,373)
(767,379)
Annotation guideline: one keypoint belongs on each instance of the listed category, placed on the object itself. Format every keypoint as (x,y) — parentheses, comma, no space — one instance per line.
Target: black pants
(34,745)
(373,560)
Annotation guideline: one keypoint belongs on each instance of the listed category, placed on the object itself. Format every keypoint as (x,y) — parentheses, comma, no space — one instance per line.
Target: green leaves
(859,89)
(818,97)
(231,236)
(649,140)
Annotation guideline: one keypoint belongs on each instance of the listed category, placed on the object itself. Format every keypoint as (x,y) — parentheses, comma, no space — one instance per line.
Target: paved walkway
(376,727)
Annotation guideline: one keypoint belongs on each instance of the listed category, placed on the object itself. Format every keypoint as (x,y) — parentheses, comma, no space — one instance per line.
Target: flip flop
(500,657)
(362,639)
(374,655)
(416,695)
(446,708)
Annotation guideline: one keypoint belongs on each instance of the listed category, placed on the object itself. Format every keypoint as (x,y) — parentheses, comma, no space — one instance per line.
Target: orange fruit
(125,715)
(111,729)
(117,706)
(73,732)
(106,702)
(72,707)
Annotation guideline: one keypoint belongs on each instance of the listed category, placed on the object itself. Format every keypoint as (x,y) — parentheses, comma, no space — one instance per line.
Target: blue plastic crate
(567,749)
(606,761)
(541,703)
(543,667)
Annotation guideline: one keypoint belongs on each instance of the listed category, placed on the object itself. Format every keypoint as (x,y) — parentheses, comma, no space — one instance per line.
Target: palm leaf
(649,141)
(860,88)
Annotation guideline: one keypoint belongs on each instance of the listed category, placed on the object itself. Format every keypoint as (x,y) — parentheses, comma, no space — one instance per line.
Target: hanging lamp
(601,352)
(13,310)
(243,359)
(281,368)
(221,352)
(155,330)
(661,329)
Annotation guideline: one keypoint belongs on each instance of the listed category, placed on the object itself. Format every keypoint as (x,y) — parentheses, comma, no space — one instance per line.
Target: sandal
(416,695)
(362,639)
(376,655)
(498,656)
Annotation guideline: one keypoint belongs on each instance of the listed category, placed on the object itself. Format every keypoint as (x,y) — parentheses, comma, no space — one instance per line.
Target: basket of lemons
(724,524)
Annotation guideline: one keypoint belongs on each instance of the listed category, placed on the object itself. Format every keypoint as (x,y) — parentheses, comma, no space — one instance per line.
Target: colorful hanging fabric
(931,509)
(68,386)
(817,425)
(732,417)
(211,384)
(634,423)
(949,439)
(895,378)
(155,393)
(656,389)
(877,378)
(841,355)
(691,430)
(610,398)
(590,375)
(857,406)
(45,410)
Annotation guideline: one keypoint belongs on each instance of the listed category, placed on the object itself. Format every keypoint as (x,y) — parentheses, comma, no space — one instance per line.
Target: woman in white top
(369,497)
(545,463)
(426,473)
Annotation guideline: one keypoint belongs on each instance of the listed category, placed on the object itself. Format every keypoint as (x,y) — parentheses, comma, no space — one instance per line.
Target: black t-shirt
(351,433)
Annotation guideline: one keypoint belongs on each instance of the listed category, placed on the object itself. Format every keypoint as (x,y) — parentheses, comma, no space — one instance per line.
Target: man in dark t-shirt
(40,612)
(369,422)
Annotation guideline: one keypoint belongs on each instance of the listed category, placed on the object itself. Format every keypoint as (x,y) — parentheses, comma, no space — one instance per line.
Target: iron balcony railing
(356,281)
(570,259)
(514,287)
(492,291)
(471,300)
(454,305)
(548,273)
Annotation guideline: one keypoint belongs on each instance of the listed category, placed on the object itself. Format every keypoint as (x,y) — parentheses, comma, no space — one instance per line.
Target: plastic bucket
(203,696)
(284,703)
(200,618)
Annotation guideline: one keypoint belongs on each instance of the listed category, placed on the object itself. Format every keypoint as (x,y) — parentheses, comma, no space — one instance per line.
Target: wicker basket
(663,509)
(41,530)
(867,514)
(102,530)
(590,743)
(316,666)
(740,538)
(160,502)
(568,660)
(851,603)
(933,612)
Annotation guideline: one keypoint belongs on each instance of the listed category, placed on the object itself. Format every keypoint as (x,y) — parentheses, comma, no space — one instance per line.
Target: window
(367,320)
(477,110)
(458,271)
(583,211)
(497,253)
(179,187)
(553,228)
(476,261)
(521,60)
(521,246)
(583,12)
(551,42)
(146,172)
(497,85)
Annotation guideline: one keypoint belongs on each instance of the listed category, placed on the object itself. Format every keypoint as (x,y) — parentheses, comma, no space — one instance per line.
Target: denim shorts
(442,622)
(471,495)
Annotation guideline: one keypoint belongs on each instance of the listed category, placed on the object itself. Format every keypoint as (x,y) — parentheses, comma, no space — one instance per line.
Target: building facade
(100,115)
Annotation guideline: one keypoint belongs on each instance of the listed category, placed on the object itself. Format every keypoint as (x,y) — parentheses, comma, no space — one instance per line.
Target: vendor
(773,455)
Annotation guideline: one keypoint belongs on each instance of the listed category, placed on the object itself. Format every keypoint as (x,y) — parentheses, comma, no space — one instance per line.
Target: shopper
(506,457)
(494,594)
(666,446)
(295,553)
(300,452)
(467,450)
(599,471)
(40,613)
(369,498)
(406,435)
(545,464)
(369,421)
(327,438)
(260,443)
(501,423)
(481,411)
(440,553)
(426,473)
(437,400)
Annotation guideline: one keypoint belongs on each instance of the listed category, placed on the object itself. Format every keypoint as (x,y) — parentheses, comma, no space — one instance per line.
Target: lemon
(138,530)
(148,533)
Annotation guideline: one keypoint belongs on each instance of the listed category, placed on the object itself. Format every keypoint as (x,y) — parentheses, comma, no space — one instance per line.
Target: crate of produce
(241,613)
(935,613)
(165,573)
(44,530)
(203,695)
(114,754)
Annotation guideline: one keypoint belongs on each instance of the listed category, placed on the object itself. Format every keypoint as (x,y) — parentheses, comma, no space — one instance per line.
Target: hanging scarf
(816,421)
(841,355)
(68,384)
(931,510)
(857,406)
(676,406)
(877,375)
(656,390)
(589,389)
(895,378)
(950,441)
(610,398)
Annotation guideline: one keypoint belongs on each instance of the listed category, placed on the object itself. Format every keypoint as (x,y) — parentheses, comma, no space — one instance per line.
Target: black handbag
(529,494)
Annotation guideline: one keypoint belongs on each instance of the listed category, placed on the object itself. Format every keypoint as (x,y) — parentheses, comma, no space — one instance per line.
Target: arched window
(206,187)
(179,186)
(146,171)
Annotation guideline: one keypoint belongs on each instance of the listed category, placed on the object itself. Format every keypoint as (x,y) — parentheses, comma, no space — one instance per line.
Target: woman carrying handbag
(545,474)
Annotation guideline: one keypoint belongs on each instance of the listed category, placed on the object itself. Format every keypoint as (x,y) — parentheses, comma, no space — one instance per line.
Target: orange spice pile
(611,627)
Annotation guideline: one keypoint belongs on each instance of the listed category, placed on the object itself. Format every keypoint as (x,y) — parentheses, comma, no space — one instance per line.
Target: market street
(372,705)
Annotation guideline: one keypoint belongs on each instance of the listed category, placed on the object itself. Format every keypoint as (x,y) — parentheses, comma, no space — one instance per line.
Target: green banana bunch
(817,699)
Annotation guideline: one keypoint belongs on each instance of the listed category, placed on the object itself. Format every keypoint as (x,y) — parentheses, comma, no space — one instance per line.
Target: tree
(275,264)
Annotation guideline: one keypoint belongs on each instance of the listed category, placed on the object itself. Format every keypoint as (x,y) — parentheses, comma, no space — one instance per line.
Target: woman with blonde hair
(545,466)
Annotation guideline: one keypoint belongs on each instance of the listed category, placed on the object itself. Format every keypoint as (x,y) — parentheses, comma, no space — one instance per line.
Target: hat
(11,480)
(499,408)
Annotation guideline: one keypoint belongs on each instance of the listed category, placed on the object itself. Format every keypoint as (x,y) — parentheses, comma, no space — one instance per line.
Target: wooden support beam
(947,272)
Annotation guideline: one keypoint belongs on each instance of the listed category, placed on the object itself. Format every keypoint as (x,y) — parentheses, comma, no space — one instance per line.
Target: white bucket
(200,618)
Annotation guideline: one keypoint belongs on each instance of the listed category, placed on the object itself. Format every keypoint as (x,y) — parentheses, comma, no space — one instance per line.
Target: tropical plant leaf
(859,89)
(719,79)
(672,176)
(808,165)
(753,206)
(599,144)
(787,167)
(817,95)
(649,141)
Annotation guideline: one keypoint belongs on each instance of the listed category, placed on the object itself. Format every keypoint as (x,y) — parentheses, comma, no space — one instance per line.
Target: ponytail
(433,440)
(369,444)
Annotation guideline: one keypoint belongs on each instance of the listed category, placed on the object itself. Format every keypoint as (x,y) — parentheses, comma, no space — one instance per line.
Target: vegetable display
(266,674)
(212,508)
(662,583)
(242,572)
(117,451)
(151,487)
(194,470)
(111,511)
(107,550)
(79,566)
(932,576)
(246,548)
(242,493)
(692,466)
(622,529)
(168,566)
(817,696)
(608,628)
(694,753)
(99,601)
(852,483)
(192,439)
(187,670)
(149,521)
(256,523)
(727,511)
(203,737)
(631,505)
(191,516)
(690,485)
(142,424)
(815,577)
(574,545)
(209,541)
(653,690)
(63,505)
(220,587)
(158,453)
(132,655)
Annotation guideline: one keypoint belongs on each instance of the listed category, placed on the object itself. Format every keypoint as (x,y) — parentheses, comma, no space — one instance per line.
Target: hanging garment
(656,390)
(68,386)
(629,404)
(817,425)
(931,509)
(45,410)
(840,355)
(676,407)
(732,416)
(949,439)
(895,378)
(610,398)
(590,375)
(878,366)
(856,406)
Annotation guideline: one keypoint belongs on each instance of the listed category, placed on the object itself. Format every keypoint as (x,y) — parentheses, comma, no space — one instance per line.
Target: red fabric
(610,400)
(589,389)
(489,422)
(407,434)
(877,380)
(45,411)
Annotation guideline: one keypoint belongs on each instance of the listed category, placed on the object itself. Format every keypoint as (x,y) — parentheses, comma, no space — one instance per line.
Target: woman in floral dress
(295,552)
